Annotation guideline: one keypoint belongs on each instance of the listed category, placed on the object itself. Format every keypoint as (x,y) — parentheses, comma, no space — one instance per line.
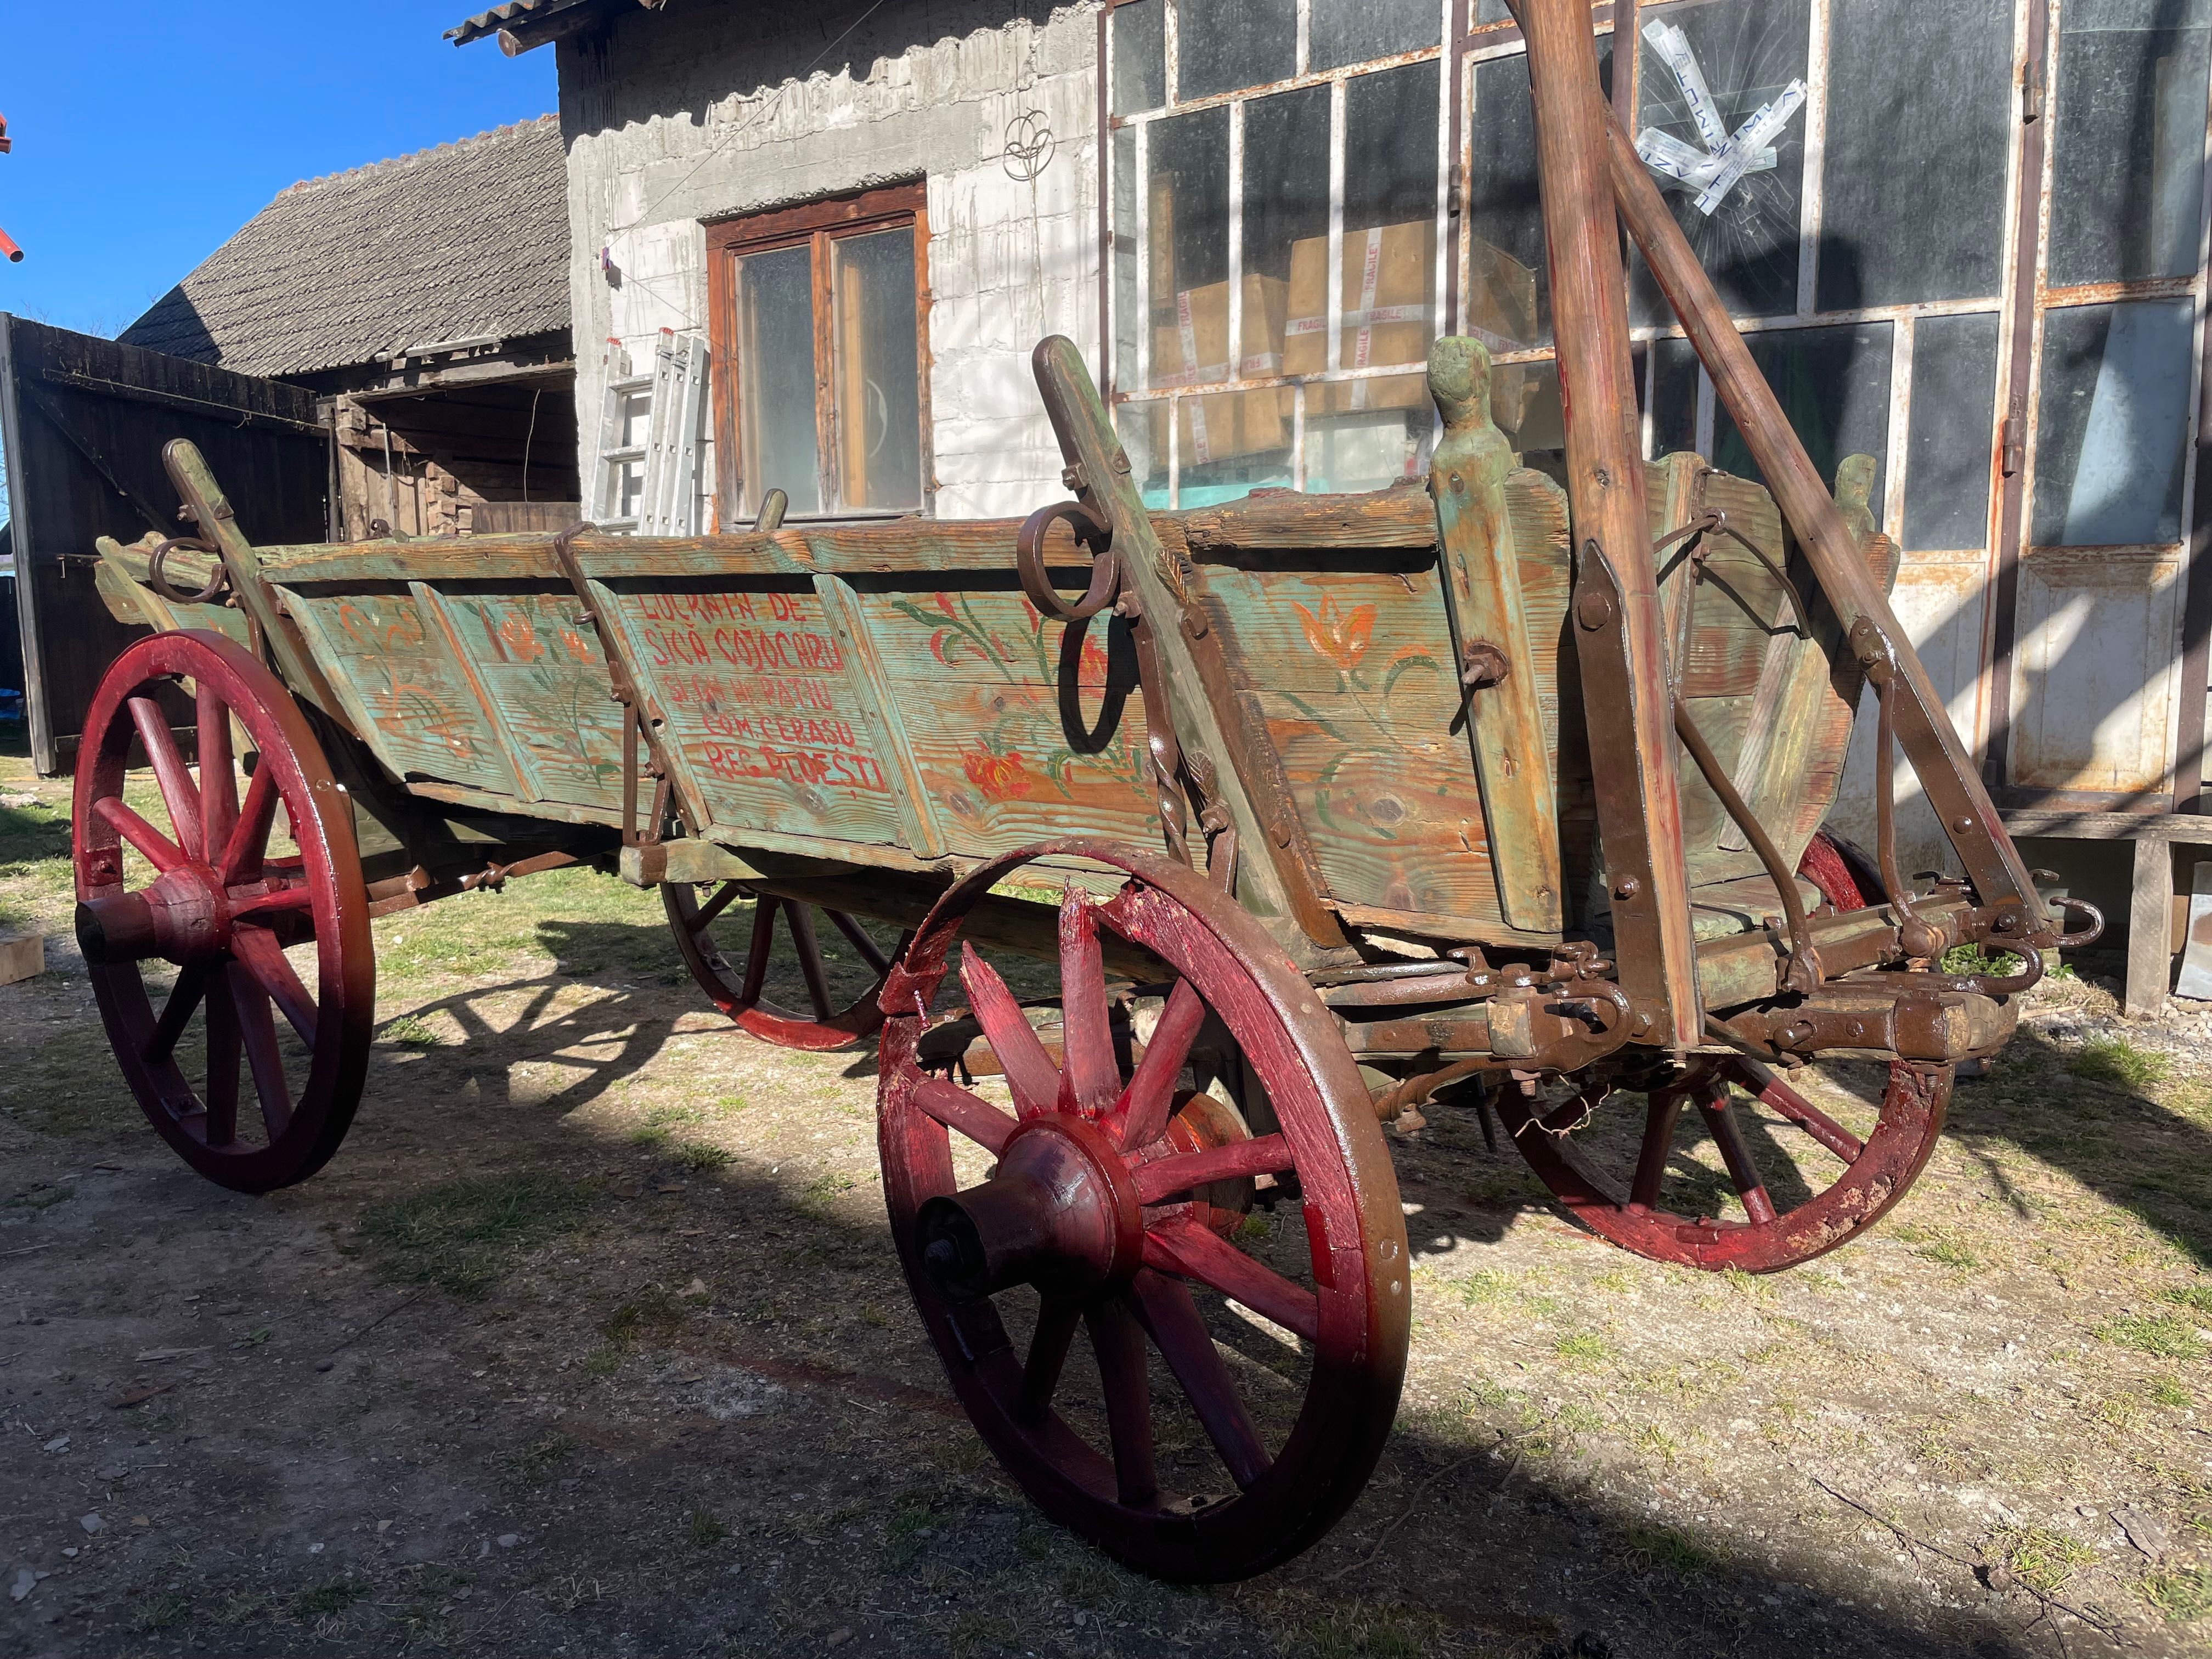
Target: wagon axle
(184,915)
(1062,1213)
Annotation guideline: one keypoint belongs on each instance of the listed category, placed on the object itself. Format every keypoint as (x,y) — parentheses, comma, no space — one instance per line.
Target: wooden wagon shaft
(1620,638)
(1946,768)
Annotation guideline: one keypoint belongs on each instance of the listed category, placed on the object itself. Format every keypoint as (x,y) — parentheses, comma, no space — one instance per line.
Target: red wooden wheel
(1810,1184)
(1198,1444)
(205,892)
(1846,878)
(840,987)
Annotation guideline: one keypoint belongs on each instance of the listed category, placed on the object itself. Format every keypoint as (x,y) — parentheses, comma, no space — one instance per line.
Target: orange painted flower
(1338,636)
(1001,777)
(573,642)
(519,638)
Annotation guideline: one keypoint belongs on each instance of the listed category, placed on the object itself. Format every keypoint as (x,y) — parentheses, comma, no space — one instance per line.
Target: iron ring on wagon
(157,576)
(1090,531)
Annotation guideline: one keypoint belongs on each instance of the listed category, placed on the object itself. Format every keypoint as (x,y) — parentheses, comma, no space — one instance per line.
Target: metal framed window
(819,320)
(1995,286)
(1274,185)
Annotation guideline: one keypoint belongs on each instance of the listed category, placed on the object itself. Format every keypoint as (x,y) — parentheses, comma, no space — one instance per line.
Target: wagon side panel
(762,709)
(1019,730)
(541,666)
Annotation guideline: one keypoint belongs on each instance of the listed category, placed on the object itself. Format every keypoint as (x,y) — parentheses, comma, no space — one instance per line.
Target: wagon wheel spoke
(177,793)
(858,935)
(1091,1076)
(810,955)
(221,1096)
(1030,1072)
(265,905)
(1142,1117)
(704,918)
(1728,1134)
(177,1012)
(1048,1344)
(256,950)
(218,779)
(1661,1114)
(255,1025)
(247,850)
(1178,1329)
(1183,1245)
(757,951)
(158,849)
(1164,1177)
(1770,1090)
(972,1116)
(1119,1342)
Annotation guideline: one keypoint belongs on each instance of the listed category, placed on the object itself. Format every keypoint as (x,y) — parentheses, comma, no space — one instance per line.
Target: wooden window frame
(813,225)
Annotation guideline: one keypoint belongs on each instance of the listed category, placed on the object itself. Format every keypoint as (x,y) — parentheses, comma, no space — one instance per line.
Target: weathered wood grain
(871,688)
(1512,749)
(1283,520)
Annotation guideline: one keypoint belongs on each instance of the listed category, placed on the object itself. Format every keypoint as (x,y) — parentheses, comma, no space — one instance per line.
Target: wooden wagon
(1511,788)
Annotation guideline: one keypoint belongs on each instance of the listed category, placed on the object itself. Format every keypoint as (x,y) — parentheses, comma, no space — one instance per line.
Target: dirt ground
(590,1341)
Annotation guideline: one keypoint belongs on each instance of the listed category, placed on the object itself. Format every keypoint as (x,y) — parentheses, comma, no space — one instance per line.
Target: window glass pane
(1223,45)
(2114,413)
(775,378)
(1946,470)
(1507,302)
(1140,75)
(1746,54)
(2129,139)
(1491,11)
(1913,197)
(1675,398)
(1343,32)
(1833,384)
(1127,322)
(1369,432)
(1187,255)
(878,387)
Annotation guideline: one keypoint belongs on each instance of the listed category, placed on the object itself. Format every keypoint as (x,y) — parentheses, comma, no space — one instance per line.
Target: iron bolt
(1963,823)
(1593,609)
(2007,922)
(1627,888)
(1458,484)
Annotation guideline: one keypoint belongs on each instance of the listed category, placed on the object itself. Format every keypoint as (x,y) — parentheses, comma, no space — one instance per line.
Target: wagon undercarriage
(1511,790)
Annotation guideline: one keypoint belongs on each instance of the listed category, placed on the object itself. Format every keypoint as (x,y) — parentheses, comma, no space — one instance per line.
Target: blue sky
(146,131)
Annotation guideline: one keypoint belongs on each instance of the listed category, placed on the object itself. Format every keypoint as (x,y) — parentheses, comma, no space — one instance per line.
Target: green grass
(464,1236)
(702,1156)
(2165,1391)
(2198,1296)
(1374,1633)
(326,1600)
(2162,1334)
(165,1610)
(2038,1556)
(704,1530)
(2179,1593)
(410,1031)
(2115,1061)
(1670,1551)
(1584,1346)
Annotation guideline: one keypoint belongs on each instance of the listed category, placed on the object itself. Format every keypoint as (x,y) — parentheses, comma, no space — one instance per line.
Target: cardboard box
(1194,351)
(1389,316)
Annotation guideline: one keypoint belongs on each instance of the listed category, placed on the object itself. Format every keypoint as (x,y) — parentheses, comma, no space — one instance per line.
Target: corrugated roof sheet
(469,239)
(491,22)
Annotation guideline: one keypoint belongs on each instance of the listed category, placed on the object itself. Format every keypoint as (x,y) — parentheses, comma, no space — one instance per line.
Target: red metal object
(741,994)
(221,906)
(1629,1213)
(1115,1207)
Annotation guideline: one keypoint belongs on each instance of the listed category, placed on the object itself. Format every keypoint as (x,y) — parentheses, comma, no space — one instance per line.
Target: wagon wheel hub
(185,915)
(1062,1213)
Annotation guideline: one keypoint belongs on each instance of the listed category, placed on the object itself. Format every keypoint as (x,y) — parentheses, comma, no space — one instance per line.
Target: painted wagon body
(1509,789)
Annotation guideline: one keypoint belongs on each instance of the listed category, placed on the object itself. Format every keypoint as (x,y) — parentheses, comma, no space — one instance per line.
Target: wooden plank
(760,712)
(2150,904)
(1512,750)
(2059,824)
(871,689)
(1269,521)
(392,747)
(547,674)
(439,624)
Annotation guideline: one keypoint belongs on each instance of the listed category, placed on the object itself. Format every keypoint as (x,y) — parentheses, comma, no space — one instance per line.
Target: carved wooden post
(1618,629)
(1482,575)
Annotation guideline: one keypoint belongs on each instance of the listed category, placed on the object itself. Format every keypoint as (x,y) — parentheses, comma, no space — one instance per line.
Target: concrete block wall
(702,111)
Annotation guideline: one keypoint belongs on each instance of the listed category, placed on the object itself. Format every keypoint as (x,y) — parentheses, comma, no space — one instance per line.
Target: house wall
(679,118)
